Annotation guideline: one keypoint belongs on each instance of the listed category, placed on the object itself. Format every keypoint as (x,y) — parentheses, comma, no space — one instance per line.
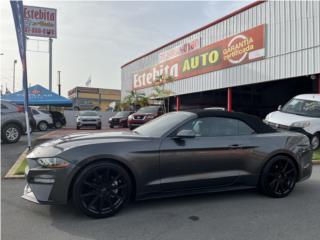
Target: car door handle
(234,146)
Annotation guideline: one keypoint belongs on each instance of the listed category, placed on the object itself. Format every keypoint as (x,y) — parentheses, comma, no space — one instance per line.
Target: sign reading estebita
(242,48)
(40,22)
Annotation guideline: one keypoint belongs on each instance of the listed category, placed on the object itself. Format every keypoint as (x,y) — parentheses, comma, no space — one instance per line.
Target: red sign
(40,22)
(242,48)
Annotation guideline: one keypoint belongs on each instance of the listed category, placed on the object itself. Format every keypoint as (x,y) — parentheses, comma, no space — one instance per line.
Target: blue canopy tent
(38,96)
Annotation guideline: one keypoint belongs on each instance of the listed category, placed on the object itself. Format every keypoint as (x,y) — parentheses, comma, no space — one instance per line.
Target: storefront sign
(179,50)
(242,48)
(40,22)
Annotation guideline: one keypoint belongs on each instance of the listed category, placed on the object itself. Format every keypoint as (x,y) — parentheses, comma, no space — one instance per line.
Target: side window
(3,107)
(34,112)
(244,129)
(217,126)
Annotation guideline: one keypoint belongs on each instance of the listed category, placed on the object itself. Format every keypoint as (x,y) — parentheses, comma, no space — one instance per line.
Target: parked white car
(43,120)
(302,114)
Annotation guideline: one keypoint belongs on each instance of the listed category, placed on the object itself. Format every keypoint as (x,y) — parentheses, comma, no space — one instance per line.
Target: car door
(212,158)
(36,115)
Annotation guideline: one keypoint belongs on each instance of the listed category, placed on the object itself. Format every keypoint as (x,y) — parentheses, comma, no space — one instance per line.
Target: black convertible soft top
(254,122)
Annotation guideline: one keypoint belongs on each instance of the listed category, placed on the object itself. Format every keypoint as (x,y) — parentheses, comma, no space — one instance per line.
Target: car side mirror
(279,108)
(186,134)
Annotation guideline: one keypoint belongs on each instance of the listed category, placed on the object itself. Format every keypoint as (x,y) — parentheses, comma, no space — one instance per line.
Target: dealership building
(251,60)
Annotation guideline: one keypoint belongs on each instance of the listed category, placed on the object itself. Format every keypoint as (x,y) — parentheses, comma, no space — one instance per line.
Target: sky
(95,38)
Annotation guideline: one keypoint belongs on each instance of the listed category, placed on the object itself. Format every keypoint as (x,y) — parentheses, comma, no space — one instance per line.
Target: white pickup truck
(302,114)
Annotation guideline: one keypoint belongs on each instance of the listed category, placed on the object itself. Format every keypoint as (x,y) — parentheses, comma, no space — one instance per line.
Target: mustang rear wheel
(102,189)
(278,177)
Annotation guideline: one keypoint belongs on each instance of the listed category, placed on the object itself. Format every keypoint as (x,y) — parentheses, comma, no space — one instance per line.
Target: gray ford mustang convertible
(178,153)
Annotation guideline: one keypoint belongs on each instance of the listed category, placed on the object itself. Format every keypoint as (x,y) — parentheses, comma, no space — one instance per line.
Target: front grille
(139,117)
(115,120)
(88,120)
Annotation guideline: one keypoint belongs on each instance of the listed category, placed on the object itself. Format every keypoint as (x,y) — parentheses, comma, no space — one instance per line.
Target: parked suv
(301,114)
(88,118)
(13,122)
(43,119)
(120,119)
(143,115)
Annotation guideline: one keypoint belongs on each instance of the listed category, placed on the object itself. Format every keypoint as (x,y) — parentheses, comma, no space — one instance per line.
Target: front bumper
(47,186)
(91,123)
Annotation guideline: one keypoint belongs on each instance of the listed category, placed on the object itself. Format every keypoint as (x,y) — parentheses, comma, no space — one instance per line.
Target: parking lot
(230,215)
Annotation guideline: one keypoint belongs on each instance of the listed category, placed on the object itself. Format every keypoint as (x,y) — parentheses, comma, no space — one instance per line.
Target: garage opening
(257,99)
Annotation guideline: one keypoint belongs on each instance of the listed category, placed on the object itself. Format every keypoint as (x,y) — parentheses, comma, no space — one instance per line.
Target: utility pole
(50,64)
(14,75)
(59,83)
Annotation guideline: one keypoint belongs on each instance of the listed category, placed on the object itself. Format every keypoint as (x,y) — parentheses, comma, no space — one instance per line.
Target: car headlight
(52,162)
(110,119)
(130,117)
(302,124)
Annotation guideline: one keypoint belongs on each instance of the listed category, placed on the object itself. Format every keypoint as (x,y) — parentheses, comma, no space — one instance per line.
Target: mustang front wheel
(278,177)
(102,189)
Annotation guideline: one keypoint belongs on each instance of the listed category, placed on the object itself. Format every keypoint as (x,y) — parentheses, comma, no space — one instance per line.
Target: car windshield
(123,114)
(88,113)
(160,125)
(302,107)
(150,109)
(44,111)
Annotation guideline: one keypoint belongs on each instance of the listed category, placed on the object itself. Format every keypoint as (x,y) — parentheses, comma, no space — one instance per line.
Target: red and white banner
(179,50)
(242,48)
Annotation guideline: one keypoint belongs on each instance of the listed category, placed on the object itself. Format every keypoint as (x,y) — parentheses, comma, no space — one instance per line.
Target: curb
(10,173)
(316,162)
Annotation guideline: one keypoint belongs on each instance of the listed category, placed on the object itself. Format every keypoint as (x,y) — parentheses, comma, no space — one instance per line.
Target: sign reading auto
(40,22)
(242,48)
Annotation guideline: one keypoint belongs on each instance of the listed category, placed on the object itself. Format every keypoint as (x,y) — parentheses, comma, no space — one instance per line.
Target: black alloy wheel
(102,189)
(279,177)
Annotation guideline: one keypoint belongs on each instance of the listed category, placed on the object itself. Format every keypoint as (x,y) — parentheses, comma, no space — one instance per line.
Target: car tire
(111,126)
(102,189)
(43,126)
(98,127)
(58,124)
(11,133)
(278,177)
(131,128)
(78,127)
(315,141)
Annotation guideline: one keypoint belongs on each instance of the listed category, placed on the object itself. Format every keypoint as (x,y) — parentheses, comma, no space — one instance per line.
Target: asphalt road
(234,215)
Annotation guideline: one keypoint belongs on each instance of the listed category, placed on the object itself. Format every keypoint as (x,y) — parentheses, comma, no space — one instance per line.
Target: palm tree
(135,99)
(160,92)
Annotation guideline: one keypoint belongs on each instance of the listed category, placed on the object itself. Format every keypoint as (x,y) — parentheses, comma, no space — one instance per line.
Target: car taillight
(20,109)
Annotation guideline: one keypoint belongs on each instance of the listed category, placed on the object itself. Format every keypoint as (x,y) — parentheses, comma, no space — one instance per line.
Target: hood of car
(54,147)
(286,119)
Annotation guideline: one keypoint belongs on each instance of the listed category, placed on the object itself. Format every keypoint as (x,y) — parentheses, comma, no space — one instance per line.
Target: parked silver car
(88,118)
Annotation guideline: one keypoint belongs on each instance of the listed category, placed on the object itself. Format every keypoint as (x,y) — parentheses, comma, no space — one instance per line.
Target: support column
(177,103)
(229,99)
(318,83)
